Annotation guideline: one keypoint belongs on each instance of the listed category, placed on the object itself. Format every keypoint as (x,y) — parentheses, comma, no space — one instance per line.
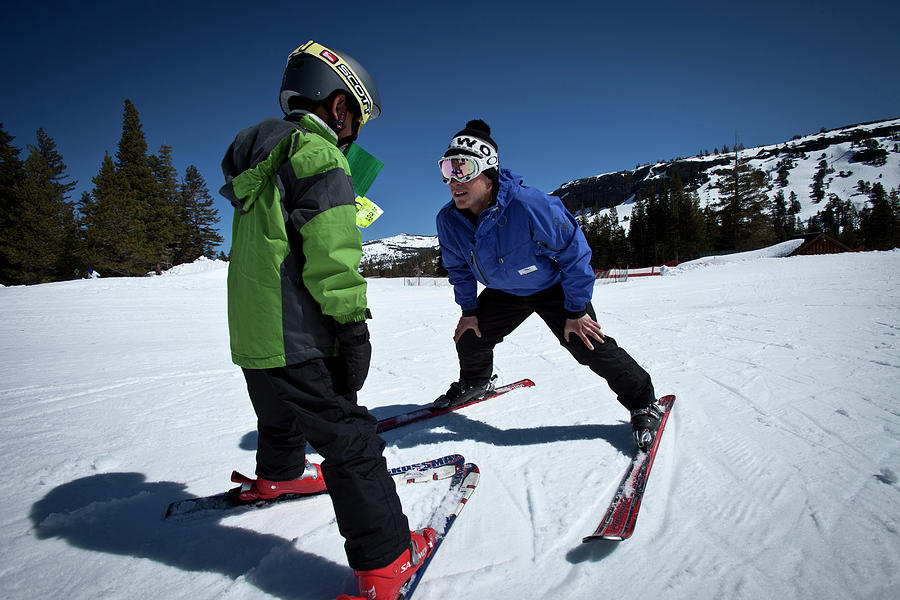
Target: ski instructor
(531,256)
(297,313)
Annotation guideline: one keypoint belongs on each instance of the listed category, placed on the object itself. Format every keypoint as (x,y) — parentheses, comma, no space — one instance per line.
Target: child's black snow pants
(309,402)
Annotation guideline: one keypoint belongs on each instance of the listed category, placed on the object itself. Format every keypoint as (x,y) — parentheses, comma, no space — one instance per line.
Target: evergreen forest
(141,216)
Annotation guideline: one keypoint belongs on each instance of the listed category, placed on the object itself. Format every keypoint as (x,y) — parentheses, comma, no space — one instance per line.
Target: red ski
(427,412)
(618,523)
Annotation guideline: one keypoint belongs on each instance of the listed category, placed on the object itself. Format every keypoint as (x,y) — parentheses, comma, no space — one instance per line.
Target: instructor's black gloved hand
(354,346)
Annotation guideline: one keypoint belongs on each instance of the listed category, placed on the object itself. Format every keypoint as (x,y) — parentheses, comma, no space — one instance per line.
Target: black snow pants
(309,402)
(499,313)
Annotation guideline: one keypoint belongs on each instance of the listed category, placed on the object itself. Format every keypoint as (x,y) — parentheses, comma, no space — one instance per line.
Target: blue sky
(570,89)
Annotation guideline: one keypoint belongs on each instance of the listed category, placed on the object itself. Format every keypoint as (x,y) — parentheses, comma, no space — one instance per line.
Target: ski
(427,412)
(618,523)
(462,486)
(430,470)
(461,489)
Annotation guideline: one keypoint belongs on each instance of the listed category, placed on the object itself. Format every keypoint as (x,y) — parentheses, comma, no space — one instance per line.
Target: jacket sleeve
(323,210)
(465,288)
(558,236)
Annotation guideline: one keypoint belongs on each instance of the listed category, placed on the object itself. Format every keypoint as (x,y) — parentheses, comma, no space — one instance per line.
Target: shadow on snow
(122,513)
(457,427)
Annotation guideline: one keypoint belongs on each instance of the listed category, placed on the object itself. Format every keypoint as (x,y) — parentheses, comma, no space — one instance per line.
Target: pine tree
(42,246)
(124,217)
(608,242)
(112,228)
(878,221)
(138,192)
(781,221)
(658,224)
(794,207)
(818,186)
(840,220)
(199,217)
(164,227)
(11,172)
(711,225)
(894,202)
(638,233)
(591,230)
(11,175)
(618,241)
(698,227)
(744,208)
(784,169)
(686,228)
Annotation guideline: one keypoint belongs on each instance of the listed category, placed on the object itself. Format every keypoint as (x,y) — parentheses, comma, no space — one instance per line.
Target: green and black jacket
(295,247)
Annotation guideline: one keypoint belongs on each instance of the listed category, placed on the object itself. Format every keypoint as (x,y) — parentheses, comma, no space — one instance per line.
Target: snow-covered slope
(777,476)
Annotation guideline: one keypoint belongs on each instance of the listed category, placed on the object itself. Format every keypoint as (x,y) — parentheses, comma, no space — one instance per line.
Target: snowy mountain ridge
(868,152)
(398,247)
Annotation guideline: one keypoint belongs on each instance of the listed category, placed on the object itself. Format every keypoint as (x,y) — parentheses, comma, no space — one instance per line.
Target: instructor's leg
(498,315)
(625,377)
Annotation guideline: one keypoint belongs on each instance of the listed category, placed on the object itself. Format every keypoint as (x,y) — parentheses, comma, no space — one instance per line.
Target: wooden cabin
(819,243)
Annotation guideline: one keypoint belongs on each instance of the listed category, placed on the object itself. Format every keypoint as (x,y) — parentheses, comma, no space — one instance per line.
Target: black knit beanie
(475,140)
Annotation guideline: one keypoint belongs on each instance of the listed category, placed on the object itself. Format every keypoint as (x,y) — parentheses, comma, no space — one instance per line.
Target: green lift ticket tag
(364,168)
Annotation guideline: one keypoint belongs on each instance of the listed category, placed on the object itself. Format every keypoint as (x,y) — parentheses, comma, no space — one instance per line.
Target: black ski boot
(461,392)
(644,423)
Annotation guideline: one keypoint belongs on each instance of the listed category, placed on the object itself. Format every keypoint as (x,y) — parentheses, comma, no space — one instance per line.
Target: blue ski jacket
(526,242)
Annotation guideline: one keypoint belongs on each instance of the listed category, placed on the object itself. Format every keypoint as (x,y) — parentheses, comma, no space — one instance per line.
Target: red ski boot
(309,482)
(385,583)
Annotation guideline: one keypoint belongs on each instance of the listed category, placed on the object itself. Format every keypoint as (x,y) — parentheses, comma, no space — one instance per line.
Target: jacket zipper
(542,244)
(472,252)
(480,272)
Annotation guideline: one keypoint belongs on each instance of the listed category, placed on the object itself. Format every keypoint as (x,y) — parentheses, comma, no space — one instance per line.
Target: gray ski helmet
(315,72)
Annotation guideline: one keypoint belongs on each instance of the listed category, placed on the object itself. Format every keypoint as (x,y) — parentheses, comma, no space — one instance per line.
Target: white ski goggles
(464,168)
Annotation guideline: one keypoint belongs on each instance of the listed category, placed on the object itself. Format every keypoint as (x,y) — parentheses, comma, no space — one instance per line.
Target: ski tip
(469,477)
(608,538)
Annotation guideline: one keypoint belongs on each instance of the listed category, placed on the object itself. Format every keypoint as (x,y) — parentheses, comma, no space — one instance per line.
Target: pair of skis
(617,524)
